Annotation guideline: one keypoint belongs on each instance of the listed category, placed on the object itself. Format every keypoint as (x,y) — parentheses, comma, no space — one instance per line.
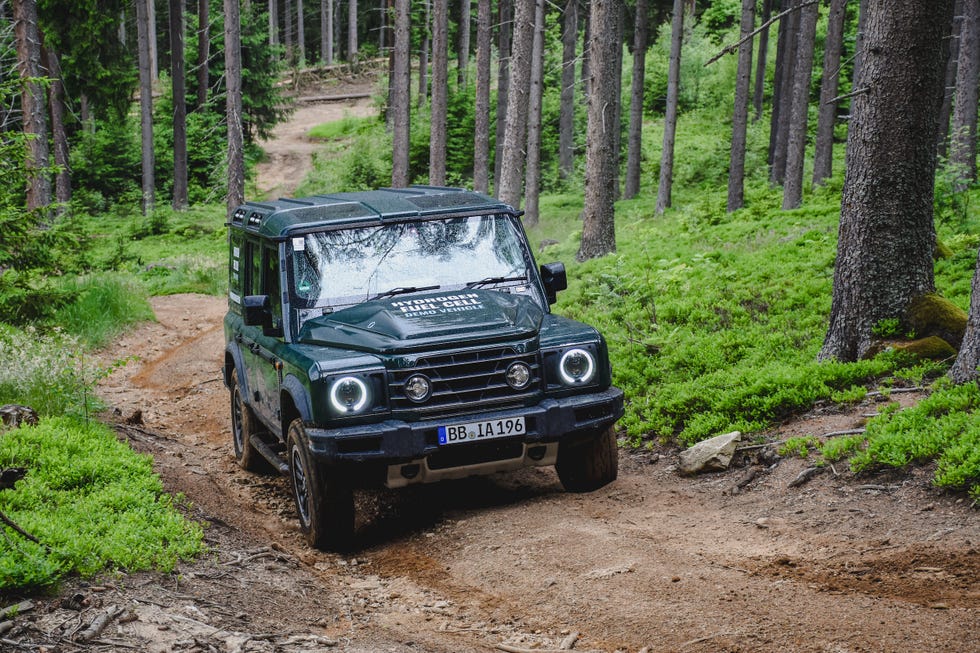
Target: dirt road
(654,560)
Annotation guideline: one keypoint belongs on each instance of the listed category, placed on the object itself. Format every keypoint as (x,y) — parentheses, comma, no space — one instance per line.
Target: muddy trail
(737,561)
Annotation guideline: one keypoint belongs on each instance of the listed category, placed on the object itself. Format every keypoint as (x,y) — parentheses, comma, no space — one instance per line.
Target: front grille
(464,381)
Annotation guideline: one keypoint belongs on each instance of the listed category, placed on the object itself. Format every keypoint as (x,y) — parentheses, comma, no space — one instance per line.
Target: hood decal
(421,320)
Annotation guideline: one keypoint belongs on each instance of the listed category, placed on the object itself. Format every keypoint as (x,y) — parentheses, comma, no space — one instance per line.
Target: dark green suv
(404,336)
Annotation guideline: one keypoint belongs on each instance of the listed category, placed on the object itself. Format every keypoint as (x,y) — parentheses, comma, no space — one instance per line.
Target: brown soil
(655,560)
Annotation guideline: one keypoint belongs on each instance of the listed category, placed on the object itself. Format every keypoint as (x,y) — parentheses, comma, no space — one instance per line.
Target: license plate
(485,430)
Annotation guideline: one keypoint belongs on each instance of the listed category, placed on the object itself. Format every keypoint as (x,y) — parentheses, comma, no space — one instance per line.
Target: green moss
(934,315)
(930,347)
(942,251)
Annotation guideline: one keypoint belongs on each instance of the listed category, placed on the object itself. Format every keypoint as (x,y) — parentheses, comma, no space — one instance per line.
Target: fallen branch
(98,624)
(12,524)
(568,642)
(16,609)
(834,434)
(894,391)
(805,476)
(729,49)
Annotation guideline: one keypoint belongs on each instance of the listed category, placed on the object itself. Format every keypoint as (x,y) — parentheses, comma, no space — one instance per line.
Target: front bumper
(396,442)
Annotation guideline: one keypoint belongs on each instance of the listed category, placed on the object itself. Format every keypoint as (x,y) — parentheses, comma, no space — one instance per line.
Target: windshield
(335,269)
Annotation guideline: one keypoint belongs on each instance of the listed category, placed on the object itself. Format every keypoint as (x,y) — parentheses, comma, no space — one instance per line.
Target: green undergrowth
(90,502)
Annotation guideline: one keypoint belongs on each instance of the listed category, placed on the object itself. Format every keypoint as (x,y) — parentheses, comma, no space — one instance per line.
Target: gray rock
(712,455)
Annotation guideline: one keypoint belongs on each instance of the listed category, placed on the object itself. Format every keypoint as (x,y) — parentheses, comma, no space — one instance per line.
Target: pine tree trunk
(400,107)
(233,99)
(463,53)
(635,140)
(300,33)
(203,51)
(515,134)
(823,151)
(586,73)
(34,120)
(180,104)
(963,142)
(797,137)
(670,117)
(760,66)
(504,40)
(146,104)
(424,57)
(887,238)
(532,180)
(287,19)
(601,157)
(949,89)
(440,91)
(352,31)
(566,115)
(968,358)
(59,136)
(782,119)
(859,44)
(326,32)
(481,126)
(778,82)
(273,22)
(740,113)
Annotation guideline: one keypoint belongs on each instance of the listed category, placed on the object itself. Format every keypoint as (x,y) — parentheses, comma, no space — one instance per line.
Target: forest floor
(732,561)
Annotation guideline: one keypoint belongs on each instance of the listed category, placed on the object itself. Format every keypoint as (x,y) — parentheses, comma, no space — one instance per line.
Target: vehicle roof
(287,217)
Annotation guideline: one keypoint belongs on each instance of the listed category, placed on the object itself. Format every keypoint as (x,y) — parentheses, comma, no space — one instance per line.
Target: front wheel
(590,464)
(325,504)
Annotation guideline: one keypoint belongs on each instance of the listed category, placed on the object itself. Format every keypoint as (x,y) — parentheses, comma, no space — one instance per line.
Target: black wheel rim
(300,486)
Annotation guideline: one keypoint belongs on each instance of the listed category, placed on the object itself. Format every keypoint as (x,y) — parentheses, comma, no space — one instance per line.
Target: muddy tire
(325,504)
(590,464)
(244,424)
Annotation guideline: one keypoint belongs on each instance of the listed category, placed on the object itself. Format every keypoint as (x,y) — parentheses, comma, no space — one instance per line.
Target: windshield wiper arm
(402,290)
(490,280)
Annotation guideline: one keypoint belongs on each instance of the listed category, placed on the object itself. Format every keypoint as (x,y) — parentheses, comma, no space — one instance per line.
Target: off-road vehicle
(404,336)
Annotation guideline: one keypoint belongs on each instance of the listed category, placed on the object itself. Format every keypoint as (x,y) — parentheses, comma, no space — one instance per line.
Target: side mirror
(257,311)
(554,278)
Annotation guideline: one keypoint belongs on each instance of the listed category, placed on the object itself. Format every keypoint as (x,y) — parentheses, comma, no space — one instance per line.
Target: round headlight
(577,367)
(418,388)
(518,375)
(348,395)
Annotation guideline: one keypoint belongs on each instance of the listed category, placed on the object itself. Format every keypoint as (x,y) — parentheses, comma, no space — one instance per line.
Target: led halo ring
(356,392)
(575,358)
(518,375)
(418,388)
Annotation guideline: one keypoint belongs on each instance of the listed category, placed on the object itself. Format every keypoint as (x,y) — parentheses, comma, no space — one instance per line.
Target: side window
(235,269)
(253,264)
(270,281)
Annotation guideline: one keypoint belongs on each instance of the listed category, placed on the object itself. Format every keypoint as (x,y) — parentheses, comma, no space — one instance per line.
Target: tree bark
(797,137)
(440,92)
(146,104)
(740,113)
(601,156)
(203,51)
(823,152)
(505,10)
(634,141)
(942,133)
(424,56)
(463,52)
(59,135)
(532,180)
(287,20)
(326,32)
(670,117)
(859,43)
(180,104)
(963,142)
(968,358)
(887,237)
(481,126)
(273,22)
(782,117)
(34,120)
(400,107)
(233,85)
(352,31)
(515,134)
(760,67)
(300,32)
(566,115)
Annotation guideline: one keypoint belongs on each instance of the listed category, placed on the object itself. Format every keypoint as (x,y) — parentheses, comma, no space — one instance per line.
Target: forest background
(689,157)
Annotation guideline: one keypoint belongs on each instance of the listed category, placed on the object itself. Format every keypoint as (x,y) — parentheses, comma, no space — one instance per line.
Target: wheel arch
(294,402)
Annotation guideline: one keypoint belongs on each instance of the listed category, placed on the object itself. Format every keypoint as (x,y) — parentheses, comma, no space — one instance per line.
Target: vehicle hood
(416,321)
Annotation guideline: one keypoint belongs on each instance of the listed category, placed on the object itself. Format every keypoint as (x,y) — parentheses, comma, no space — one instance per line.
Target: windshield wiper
(402,290)
(490,280)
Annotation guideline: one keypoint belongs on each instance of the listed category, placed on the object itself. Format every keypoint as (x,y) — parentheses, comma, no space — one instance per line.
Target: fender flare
(292,386)
(233,350)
